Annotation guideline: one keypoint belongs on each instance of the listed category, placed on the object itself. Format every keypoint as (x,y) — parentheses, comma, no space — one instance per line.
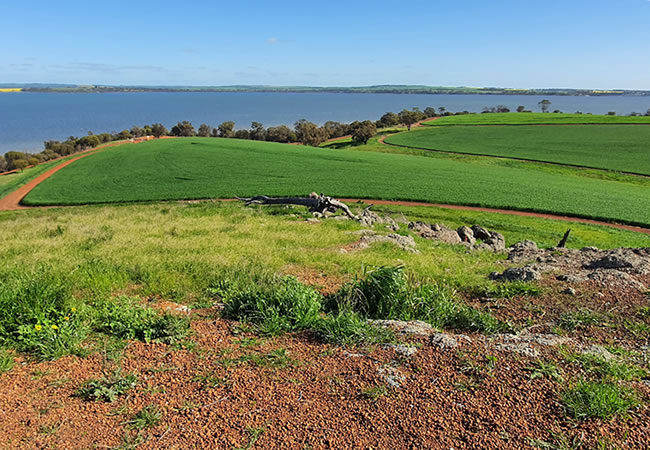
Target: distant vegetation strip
(622,148)
(377,89)
(530,118)
(195,168)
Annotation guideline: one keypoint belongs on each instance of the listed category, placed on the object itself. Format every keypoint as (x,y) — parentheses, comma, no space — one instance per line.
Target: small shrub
(543,369)
(386,293)
(126,318)
(284,304)
(608,369)
(587,399)
(50,340)
(107,388)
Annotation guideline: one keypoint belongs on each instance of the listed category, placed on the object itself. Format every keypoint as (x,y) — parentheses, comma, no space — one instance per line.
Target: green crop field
(194,168)
(535,118)
(614,147)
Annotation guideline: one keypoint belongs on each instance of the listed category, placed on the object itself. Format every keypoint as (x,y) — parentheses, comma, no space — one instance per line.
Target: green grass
(209,168)
(596,399)
(623,148)
(534,118)
(107,388)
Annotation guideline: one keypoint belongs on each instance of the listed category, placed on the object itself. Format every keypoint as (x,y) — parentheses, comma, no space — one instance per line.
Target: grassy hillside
(535,118)
(613,147)
(196,168)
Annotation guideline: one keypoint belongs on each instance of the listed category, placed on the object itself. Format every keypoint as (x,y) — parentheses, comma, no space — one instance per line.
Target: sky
(596,44)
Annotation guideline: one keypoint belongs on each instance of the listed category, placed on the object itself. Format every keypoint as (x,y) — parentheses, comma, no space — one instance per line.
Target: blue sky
(513,43)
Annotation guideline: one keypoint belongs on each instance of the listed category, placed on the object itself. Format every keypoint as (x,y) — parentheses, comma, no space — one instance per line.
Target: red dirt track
(12,201)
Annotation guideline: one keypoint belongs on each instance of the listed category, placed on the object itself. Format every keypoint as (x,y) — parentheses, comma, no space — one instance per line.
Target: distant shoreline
(383,89)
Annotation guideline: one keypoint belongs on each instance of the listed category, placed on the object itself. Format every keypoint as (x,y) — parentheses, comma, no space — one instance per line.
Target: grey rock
(569,291)
(392,376)
(403,350)
(435,232)
(406,327)
(480,232)
(598,350)
(466,235)
(524,246)
(446,341)
(518,274)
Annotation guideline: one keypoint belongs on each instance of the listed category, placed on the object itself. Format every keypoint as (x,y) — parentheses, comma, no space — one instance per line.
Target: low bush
(127,318)
(280,305)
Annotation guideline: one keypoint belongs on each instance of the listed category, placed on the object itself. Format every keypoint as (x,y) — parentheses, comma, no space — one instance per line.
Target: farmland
(612,147)
(536,118)
(195,168)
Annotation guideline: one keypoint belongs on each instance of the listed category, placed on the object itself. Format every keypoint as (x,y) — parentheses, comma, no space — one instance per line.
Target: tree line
(303,132)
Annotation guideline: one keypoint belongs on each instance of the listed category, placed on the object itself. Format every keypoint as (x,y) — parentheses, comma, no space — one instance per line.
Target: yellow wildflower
(37,327)
(73,309)
(54,327)
(66,318)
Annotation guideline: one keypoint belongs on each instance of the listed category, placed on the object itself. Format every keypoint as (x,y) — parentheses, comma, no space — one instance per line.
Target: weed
(147,417)
(131,442)
(119,411)
(6,361)
(579,319)
(603,400)
(373,393)
(545,369)
(254,434)
(126,318)
(209,380)
(107,388)
(610,369)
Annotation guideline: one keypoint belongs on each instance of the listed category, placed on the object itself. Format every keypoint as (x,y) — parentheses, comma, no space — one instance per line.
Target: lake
(28,119)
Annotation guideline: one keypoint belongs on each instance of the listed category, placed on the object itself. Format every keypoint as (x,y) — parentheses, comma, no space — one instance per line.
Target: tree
(647,113)
(20,164)
(280,133)
(158,129)
(408,118)
(258,133)
(88,141)
(309,133)
(3,164)
(33,161)
(521,108)
(242,134)
(430,111)
(390,119)
(226,129)
(136,131)
(502,109)
(204,130)
(544,105)
(443,111)
(335,129)
(124,134)
(362,131)
(183,128)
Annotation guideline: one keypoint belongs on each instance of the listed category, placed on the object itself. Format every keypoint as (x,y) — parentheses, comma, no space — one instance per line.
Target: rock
(466,234)
(517,274)
(412,327)
(392,376)
(446,341)
(403,350)
(480,232)
(496,241)
(369,218)
(624,258)
(569,291)
(524,343)
(524,246)
(589,249)
(312,220)
(435,232)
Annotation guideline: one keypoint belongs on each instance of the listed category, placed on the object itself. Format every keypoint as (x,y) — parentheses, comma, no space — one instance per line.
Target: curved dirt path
(12,201)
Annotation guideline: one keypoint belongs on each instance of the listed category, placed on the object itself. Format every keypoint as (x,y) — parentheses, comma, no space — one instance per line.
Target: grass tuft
(597,399)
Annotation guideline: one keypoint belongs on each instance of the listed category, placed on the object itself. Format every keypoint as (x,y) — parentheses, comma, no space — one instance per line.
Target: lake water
(28,119)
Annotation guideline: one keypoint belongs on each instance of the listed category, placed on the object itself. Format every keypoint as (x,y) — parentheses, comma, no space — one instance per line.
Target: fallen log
(318,204)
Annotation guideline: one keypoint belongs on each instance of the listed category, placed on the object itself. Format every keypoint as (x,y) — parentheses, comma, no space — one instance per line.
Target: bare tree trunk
(562,243)
(317,204)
